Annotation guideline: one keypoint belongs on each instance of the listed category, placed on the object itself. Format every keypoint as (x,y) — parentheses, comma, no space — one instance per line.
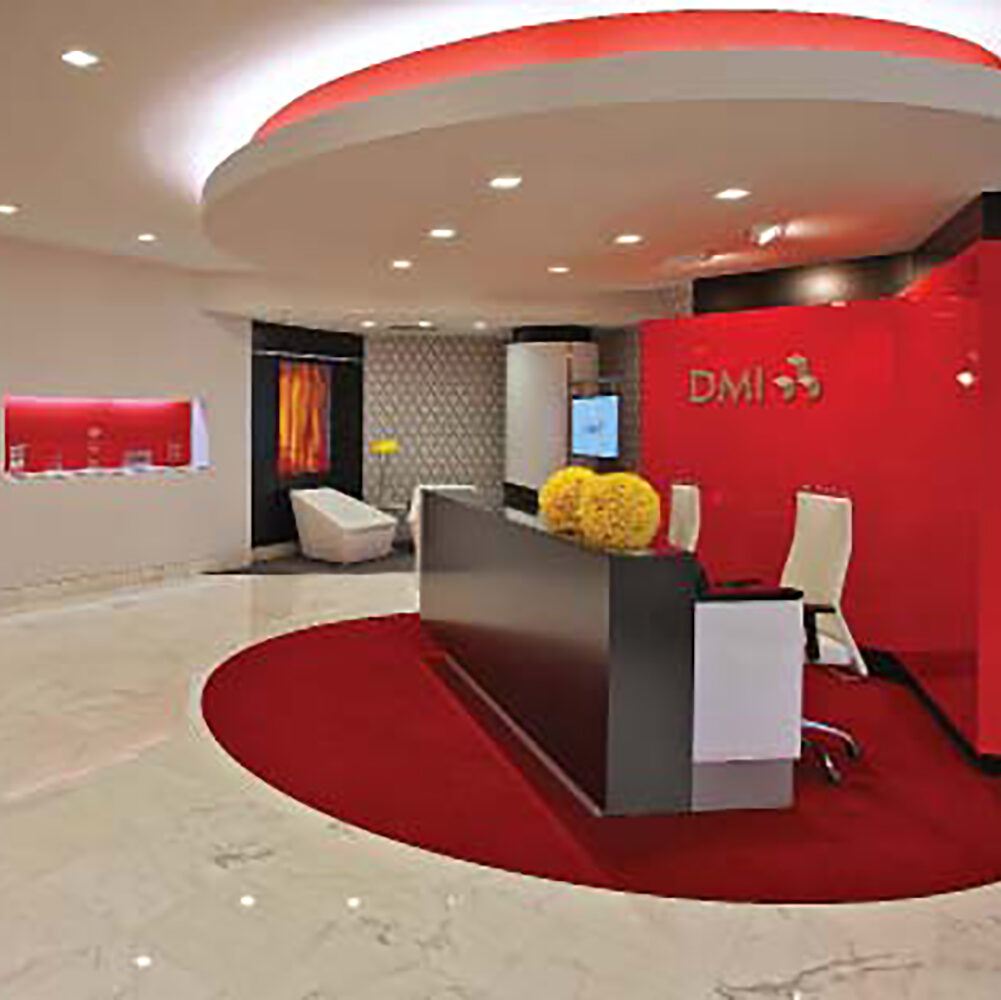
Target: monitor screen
(595,427)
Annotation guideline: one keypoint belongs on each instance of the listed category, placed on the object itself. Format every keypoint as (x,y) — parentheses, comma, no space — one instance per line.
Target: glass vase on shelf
(138,459)
(18,458)
(94,435)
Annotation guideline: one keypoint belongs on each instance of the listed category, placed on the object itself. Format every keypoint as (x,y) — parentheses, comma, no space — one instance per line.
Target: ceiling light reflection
(766,234)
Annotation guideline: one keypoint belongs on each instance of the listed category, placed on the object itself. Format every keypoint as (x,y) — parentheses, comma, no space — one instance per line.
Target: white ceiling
(96,157)
(849,179)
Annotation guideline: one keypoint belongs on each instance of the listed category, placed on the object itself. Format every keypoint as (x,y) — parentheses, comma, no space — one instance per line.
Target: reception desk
(592,658)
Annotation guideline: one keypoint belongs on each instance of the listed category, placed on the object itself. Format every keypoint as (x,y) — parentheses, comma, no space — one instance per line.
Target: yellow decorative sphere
(619,510)
(559,498)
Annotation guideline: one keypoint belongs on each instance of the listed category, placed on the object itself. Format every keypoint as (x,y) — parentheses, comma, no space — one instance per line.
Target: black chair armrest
(747,594)
(810,612)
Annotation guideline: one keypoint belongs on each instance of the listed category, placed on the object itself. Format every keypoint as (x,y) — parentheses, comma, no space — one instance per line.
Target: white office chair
(414,514)
(817,564)
(685,517)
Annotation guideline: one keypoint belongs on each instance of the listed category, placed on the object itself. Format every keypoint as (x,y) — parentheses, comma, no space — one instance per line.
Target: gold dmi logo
(707,386)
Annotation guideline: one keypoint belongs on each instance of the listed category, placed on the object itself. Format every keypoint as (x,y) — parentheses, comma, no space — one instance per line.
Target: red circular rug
(354,720)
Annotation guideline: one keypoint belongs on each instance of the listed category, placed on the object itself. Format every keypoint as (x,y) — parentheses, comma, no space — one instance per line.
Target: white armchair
(338,528)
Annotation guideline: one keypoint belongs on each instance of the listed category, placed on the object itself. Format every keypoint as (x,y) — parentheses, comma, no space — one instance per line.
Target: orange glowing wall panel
(303,419)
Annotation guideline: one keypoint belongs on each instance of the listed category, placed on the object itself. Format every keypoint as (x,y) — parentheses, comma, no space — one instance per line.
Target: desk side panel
(526,616)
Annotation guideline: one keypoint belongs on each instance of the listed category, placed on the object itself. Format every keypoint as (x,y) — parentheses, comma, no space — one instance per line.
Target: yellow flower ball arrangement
(619,510)
(559,498)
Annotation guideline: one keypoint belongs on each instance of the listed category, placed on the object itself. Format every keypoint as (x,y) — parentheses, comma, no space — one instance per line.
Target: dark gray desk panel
(589,653)
(525,614)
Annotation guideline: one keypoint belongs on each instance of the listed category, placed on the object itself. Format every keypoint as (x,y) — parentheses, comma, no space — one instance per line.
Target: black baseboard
(889,666)
(521,498)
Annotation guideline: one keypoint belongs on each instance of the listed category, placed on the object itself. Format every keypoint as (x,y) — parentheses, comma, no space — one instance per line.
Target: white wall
(539,377)
(80,324)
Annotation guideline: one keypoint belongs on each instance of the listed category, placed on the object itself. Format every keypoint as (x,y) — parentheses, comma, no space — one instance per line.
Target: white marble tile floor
(130,846)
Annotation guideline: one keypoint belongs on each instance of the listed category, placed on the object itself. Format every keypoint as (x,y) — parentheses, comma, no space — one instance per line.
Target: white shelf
(53,475)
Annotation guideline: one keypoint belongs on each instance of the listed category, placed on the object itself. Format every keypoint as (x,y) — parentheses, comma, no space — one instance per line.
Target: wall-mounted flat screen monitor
(595,427)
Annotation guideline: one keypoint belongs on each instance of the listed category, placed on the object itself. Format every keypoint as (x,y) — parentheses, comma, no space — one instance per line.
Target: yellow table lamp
(383,447)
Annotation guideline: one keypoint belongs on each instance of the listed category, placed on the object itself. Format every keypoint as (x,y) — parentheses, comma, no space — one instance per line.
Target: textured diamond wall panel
(442,398)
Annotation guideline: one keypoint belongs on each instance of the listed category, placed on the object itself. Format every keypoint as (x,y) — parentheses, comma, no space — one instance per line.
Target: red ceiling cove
(620,34)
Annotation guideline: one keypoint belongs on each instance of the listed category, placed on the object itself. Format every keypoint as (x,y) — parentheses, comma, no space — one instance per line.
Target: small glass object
(18,457)
(138,458)
(94,447)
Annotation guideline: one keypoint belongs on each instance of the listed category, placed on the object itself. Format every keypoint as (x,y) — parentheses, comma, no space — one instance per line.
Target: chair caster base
(826,760)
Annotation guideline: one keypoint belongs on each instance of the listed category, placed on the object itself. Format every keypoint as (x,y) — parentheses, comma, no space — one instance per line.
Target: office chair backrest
(685,517)
(821,548)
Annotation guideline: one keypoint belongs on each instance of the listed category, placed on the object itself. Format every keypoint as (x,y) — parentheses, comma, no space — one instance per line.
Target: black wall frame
(272,520)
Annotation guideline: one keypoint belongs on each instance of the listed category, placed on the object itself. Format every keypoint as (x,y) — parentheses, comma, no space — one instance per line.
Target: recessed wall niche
(47,436)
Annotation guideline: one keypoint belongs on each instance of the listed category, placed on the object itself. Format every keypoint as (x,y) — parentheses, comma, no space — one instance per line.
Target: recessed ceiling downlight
(732,194)
(80,58)
(9,209)
(628,239)
(425,324)
(368,323)
(147,237)
(402,265)
(442,233)
(559,269)
(505,182)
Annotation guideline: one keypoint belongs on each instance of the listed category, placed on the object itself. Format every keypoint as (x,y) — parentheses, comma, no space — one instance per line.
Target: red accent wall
(83,432)
(619,34)
(989,673)
(894,430)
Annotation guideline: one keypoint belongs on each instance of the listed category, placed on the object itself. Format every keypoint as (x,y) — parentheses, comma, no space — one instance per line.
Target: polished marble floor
(137,861)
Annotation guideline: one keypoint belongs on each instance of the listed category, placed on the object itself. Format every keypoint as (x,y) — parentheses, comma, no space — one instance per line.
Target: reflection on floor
(138,861)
